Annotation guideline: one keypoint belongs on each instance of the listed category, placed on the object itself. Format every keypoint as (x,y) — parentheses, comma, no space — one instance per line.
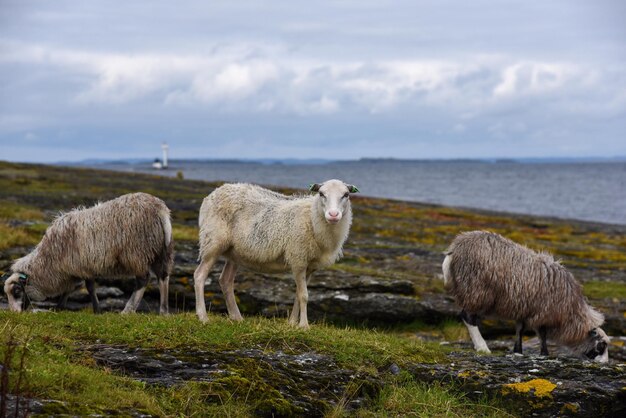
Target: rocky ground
(389,279)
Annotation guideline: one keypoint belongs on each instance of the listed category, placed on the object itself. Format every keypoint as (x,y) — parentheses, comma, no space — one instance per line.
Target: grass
(349,346)
(11,236)
(184,232)
(11,210)
(406,397)
(600,290)
(23,233)
(57,369)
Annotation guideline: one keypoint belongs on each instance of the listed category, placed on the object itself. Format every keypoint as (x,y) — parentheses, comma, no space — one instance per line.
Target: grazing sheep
(490,275)
(268,232)
(130,235)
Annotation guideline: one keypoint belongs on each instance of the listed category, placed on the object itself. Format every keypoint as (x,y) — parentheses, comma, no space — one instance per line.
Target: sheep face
(15,292)
(333,199)
(595,347)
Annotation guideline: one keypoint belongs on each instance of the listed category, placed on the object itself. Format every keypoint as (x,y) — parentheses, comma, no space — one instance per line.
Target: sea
(591,191)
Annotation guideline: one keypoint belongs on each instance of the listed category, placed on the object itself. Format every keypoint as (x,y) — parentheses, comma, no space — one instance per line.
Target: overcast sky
(337,79)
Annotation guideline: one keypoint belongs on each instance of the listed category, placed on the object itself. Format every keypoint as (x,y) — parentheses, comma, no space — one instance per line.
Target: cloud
(269,77)
(538,77)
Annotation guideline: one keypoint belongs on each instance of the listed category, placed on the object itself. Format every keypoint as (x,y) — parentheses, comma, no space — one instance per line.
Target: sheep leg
(140,287)
(471,322)
(90,284)
(543,334)
(62,303)
(199,279)
(519,331)
(164,288)
(227,284)
(25,301)
(295,311)
(303,296)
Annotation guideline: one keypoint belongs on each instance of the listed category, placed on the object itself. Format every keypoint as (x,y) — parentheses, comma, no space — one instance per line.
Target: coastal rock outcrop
(534,385)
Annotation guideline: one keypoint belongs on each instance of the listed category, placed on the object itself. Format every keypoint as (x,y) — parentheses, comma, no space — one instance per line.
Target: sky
(333,80)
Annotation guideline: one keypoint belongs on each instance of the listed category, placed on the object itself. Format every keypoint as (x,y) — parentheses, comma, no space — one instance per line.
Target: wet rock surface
(532,385)
(278,383)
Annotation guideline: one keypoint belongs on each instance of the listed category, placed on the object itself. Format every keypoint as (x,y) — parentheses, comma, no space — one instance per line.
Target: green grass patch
(406,397)
(17,236)
(600,290)
(56,368)
(349,346)
(184,232)
(15,211)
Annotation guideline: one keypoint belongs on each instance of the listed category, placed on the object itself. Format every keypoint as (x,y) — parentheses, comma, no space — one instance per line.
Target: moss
(540,388)
(184,233)
(257,388)
(200,399)
(406,397)
(349,346)
(78,409)
(599,290)
(13,211)
(17,237)
(454,330)
(56,370)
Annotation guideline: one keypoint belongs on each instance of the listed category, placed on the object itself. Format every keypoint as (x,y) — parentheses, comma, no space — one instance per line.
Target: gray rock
(304,384)
(534,384)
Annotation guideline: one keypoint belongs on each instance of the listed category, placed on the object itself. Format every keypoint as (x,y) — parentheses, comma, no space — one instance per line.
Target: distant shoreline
(315,161)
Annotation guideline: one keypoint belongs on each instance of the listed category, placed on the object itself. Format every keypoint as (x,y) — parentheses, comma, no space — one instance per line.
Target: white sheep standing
(490,275)
(268,232)
(127,236)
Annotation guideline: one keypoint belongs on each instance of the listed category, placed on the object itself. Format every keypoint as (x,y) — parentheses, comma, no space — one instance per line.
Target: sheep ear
(352,188)
(315,187)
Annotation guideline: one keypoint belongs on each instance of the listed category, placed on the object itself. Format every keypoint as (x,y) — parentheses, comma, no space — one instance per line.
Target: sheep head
(333,199)
(14,289)
(596,346)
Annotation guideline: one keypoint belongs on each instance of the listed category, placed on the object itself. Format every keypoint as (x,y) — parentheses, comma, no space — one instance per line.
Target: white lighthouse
(165,148)
(161,164)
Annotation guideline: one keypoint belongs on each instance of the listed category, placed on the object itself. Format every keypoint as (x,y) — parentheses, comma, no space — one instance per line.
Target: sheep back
(258,228)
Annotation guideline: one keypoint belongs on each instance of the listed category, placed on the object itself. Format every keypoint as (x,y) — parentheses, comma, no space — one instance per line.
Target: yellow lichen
(469,373)
(541,388)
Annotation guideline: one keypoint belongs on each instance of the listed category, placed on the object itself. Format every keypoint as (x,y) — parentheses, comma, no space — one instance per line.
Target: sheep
(130,235)
(488,274)
(268,232)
